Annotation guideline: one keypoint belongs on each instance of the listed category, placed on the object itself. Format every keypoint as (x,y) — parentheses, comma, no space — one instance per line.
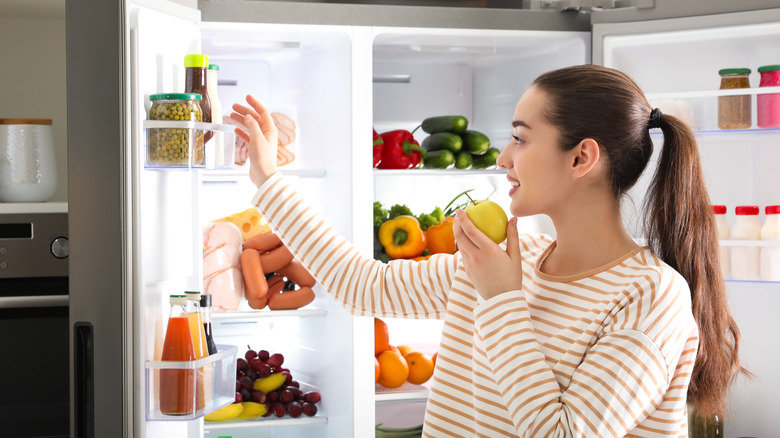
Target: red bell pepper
(401,150)
(378,147)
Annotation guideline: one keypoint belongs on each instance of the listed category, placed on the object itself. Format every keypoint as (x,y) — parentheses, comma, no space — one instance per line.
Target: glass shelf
(754,243)
(713,93)
(403,394)
(258,314)
(263,422)
(437,172)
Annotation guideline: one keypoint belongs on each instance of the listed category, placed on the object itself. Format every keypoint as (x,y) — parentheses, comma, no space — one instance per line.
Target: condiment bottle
(216,114)
(701,427)
(198,341)
(745,259)
(195,67)
(205,311)
(734,112)
(768,105)
(770,255)
(177,386)
(723,233)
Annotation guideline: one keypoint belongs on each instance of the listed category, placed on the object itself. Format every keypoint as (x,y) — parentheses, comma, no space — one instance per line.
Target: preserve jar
(768,105)
(179,146)
(745,258)
(734,112)
(28,170)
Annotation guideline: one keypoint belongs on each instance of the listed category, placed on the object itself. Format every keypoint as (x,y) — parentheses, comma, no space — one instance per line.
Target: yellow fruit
(251,410)
(490,218)
(405,349)
(393,369)
(229,412)
(268,384)
(420,367)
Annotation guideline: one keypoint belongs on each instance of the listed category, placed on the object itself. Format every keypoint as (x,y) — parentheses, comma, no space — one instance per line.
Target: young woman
(588,334)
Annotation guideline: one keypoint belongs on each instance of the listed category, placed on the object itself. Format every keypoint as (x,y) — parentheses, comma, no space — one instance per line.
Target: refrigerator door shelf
(219,151)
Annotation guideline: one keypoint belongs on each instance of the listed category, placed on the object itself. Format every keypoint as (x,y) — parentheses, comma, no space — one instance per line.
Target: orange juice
(177,386)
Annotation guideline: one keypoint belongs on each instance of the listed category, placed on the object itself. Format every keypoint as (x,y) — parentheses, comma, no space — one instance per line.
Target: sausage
(275,285)
(263,242)
(294,299)
(255,285)
(275,259)
(296,272)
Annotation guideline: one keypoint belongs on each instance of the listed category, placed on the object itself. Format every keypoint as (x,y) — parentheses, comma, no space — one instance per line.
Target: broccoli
(380,216)
(399,210)
(431,219)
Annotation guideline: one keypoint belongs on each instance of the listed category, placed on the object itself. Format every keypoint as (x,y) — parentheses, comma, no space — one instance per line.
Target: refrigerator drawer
(174,144)
(191,388)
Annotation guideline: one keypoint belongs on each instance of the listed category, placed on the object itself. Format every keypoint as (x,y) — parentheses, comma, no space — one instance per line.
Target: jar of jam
(768,105)
(175,147)
(734,112)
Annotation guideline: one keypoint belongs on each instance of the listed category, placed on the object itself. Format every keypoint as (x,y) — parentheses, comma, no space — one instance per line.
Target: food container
(768,105)
(179,145)
(28,170)
(734,112)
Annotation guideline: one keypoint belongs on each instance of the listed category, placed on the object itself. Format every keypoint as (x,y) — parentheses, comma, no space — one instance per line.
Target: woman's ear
(584,157)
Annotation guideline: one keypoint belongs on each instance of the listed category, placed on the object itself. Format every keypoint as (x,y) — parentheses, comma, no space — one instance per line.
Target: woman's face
(536,165)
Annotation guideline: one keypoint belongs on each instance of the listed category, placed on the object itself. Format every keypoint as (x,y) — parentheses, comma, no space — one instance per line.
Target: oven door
(34,394)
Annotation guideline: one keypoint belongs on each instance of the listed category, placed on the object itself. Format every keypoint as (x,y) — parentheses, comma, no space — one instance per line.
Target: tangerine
(381,336)
(376,370)
(404,350)
(420,367)
(393,369)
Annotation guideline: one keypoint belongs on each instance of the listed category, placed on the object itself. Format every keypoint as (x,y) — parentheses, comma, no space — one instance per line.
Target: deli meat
(217,233)
(226,288)
(222,279)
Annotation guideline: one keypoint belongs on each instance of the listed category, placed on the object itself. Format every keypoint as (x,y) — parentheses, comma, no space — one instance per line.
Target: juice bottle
(205,311)
(745,259)
(770,255)
(177,385)
(198,342)
(723,233)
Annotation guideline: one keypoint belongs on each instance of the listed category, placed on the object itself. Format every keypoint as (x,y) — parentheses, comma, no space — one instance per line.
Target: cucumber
(443,141)
(485,160)
(475,142)
(439,159)
(455,124)
(463,160)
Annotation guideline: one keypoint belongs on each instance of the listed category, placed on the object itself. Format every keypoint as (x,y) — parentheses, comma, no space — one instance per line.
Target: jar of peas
(179,146)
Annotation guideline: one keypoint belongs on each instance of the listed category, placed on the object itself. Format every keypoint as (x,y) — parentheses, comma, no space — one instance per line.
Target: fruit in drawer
(420,367)
(393,369)
(489,217)
(270,383)
(251,410)
(381,337)
(226,413)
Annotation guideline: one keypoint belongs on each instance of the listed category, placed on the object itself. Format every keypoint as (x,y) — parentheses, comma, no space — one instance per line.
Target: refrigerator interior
(739,167)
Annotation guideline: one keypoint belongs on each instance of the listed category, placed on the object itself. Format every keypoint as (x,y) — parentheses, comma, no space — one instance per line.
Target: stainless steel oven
(34,352)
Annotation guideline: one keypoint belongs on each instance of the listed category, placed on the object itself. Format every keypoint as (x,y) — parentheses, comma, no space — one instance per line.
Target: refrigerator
(337,70)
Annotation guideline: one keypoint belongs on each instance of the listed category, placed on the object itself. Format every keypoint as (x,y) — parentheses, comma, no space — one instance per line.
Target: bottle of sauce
(195,67)
(205,311)
(723,233)
(216,115)
(745,259)
(770,255)
(177,386)
(198,341)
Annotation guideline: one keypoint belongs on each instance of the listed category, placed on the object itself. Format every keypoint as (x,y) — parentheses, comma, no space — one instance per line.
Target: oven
(34,352)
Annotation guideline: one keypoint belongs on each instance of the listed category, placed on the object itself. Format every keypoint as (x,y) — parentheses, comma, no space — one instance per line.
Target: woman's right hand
(262,136)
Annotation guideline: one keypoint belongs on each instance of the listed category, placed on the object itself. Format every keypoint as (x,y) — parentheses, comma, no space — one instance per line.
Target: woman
(589,334)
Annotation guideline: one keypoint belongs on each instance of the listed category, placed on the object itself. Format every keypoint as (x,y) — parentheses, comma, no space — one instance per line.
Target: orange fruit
(420,367)
(393,369)
(381,336)
(376,369)
(404,350)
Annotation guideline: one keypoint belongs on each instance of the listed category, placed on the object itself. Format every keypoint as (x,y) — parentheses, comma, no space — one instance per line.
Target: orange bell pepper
(402,237)
(440,237)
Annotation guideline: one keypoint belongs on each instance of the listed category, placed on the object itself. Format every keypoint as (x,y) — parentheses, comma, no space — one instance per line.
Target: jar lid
(774,67)
(178,299)
(748,210)
(719,209)
(772,209)
(176,96)
(734,71)
(213,67)
(25,121)
(198,61)
(192,295)
(205,300)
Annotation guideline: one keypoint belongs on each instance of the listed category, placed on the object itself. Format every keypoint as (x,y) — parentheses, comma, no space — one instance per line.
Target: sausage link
(294,299)
(256,287)
(296,272)
(276,259)
(263,242)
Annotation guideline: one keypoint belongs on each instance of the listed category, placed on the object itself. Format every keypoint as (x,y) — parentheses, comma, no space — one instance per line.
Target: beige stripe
(268,190)
(585,418)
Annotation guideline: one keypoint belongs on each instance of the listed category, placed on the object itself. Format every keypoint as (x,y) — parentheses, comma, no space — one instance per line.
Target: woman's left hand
(492,269)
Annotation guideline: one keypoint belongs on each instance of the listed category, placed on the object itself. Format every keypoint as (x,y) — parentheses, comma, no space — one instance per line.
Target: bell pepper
(440,237)
(402,237)
(401,150)
(378,147)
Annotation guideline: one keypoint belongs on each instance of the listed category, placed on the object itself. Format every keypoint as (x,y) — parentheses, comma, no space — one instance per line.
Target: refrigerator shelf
(318,419)
(713,93)
(714,133)
(255,314)
(755,243)
(237,174)
(405,393)
(436,172)
(157,133)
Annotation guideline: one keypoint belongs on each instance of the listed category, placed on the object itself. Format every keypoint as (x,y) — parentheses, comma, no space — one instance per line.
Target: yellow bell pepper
(402,237)
(440,237)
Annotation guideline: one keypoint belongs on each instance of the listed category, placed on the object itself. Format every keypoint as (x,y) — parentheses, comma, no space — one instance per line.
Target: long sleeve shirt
(606,353)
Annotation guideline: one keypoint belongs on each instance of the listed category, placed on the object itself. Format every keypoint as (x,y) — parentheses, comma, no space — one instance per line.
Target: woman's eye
(517,139)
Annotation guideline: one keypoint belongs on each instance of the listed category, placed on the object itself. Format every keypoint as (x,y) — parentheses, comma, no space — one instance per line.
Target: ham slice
(222,279)
(286,127)
(219,258)
(218,233)
(226,288)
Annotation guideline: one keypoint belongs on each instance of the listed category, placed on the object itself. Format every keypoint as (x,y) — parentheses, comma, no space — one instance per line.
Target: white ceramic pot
(28,170)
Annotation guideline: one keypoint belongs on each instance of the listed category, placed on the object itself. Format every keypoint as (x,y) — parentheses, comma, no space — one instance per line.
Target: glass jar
(768,105)
(734,112)
(175,147)
(28,165)
(700,427)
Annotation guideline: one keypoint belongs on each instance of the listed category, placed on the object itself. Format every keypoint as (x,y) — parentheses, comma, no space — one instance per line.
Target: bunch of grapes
(288,399)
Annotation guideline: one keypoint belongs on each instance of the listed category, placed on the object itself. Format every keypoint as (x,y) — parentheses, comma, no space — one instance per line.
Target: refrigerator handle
(83,380)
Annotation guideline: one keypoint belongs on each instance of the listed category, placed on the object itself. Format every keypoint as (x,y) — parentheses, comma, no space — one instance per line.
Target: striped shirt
(606,353)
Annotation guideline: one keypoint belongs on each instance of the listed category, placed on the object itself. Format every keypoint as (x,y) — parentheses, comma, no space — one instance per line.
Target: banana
(229,412)
(251,410)
(268,384)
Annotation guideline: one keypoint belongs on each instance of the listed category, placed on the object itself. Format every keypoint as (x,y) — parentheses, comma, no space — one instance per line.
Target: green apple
(489,217)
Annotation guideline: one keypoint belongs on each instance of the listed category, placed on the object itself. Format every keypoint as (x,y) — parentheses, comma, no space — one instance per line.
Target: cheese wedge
(249,222)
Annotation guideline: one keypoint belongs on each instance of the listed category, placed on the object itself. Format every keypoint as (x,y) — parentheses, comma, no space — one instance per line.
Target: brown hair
(589,101)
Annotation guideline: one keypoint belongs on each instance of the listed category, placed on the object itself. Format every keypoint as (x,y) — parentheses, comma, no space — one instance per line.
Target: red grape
(238,385)
(309,409)
(263,354)
(246,382)
(286,396)
(239,397)
(245,394)
(276,360)
(241,364)
(279,410)
(294,383)
(312,397)
(258,396)
(256,364)
(265,370)
(251,373)
(297,394)
(250,354)
(287,377)
(269,410)
(273,396)
(294,409)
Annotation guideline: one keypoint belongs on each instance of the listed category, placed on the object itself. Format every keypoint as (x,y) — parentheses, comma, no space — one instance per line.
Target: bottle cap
(764,68)
(746,210)
(734,71)
(178,299)
(213,67)
(719,209)
(196,60)
(772,209)
(205,300)
(192,295)
(176,96)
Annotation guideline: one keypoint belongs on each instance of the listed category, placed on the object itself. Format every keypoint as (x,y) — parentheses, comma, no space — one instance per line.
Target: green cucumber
(439,159)
(443,141)
(463,160)
(475,142)
(455,124)
(485,160)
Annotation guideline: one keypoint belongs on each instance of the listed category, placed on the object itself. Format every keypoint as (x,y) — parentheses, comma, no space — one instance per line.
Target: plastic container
(28,169)
(218,141)
(745,259)
(195,75)
(770,255)
(723,233)
(734,112)
(768,105)
(175,146)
